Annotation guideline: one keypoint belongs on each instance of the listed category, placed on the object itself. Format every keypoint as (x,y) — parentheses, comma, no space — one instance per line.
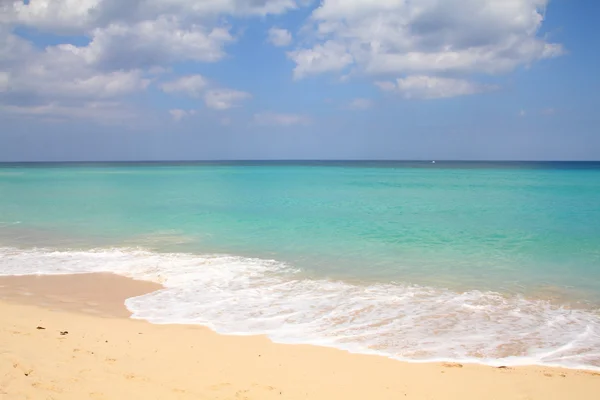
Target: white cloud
(522,113)
(61,16)
(425,41)
(223,99)
(204,8)
(130,42)
(81,16)
(192,85)
(430,87)
(107,85)
(270,118)
(179,114)
(58,80)
(280,37)
(360,104)
(154,43)
(425,37)
(330,56)
(60,72)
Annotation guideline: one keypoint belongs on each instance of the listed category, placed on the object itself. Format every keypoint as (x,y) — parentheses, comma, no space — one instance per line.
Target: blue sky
(299,79)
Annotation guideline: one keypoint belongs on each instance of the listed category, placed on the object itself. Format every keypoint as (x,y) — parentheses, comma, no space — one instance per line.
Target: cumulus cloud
(433,45)
(59,16)
(425,37)
(102,85)
(57,83)
(81,16)
(330,56)
(59,72)
(129,44)
(431,87)
(153,43)
(192,85)
(271,118)
(224,99)
(201,9)
(280,37)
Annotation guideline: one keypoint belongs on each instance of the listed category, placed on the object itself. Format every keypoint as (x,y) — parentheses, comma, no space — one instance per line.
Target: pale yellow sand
(107,356)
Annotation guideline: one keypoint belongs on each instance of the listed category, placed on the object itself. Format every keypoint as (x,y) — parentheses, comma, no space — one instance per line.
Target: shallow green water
(467,227)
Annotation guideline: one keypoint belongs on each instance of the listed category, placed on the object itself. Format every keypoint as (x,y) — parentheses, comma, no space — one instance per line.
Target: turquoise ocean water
(496,263)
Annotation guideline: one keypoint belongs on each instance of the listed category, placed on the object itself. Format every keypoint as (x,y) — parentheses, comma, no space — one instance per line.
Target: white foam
(242,296)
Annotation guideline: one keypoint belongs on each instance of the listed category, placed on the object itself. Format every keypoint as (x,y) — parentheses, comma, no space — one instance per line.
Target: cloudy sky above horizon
(299,79)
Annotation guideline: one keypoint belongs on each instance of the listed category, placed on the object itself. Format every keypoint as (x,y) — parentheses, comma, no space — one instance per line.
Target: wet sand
(99,294)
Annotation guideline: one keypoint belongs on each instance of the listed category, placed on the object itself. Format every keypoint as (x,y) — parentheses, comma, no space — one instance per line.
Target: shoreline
(71,292)
(45,289)
(106,355)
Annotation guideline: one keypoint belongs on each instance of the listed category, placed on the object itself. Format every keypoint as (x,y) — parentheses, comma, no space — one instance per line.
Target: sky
(108,80)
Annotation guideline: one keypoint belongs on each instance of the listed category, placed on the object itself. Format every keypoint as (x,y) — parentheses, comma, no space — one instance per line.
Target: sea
(494,263)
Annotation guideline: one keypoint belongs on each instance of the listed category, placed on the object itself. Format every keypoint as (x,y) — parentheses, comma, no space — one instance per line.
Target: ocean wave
(243,296)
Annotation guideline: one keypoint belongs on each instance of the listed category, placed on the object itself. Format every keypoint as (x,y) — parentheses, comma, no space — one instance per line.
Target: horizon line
(292,160)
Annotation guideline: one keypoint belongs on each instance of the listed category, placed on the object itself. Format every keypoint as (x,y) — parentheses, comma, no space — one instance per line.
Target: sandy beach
(68,337)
